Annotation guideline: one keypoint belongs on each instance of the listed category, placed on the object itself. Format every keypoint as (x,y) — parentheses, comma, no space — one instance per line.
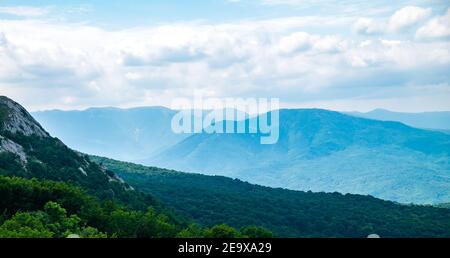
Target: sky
(341,55)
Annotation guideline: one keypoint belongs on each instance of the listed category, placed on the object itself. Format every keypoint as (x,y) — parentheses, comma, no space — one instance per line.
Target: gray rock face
(7,145)
(17,120)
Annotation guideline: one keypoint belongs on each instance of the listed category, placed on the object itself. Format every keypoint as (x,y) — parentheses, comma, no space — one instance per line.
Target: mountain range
(318,150)
(125,134)
(425,120)
(322,150)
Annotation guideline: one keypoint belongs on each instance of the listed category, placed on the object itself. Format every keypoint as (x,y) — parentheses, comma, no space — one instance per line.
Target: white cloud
(24,11)
(49,65)
(407,17)
(438,27)
(398,22)
(368,26)
(302,41)
(297,41)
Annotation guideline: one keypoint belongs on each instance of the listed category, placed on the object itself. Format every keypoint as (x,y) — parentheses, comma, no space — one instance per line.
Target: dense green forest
(213,200)
(44,208)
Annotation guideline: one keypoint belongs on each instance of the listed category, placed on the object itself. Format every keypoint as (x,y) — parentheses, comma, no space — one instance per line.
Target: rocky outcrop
(7,145)
(15,119)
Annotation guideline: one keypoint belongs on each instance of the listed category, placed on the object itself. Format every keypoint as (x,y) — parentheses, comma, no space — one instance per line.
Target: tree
(256,232)
(52,222)
(25,225)
(154,225)
(222,231)
(192,231)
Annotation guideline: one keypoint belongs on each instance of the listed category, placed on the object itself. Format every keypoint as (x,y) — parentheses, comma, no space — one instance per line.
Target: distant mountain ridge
(135,134)
(131,134)
(322,150)
(126,134)
(425,120)
(318,150)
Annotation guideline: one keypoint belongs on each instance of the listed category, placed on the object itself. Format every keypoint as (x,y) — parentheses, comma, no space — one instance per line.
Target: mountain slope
(321,150)
(215,199)
(426,120)
(27,150)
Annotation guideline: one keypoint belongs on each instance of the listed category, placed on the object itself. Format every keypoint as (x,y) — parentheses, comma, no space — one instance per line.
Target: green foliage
(3,114)
(43,208)
(212,200)
(10,164)
(20,194)
(25,225)
(56,199)
(139,224)
(256,232)
(222,231)
(192,231)
(52,222)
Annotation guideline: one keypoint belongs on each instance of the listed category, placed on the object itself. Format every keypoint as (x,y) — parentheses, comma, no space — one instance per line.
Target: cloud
(295,42)
(368,26)
(407,17)
(438,27)
(302,41)
(50,64)
(163,56)
(400,21)
(24,11)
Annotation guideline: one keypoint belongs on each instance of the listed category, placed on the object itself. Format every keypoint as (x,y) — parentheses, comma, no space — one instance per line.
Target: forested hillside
(42,208)
(215,199)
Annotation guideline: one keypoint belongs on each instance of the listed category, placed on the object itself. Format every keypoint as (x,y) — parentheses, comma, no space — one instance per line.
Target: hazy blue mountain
(318,150)
(126,134)
(426,120)
(323,150)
